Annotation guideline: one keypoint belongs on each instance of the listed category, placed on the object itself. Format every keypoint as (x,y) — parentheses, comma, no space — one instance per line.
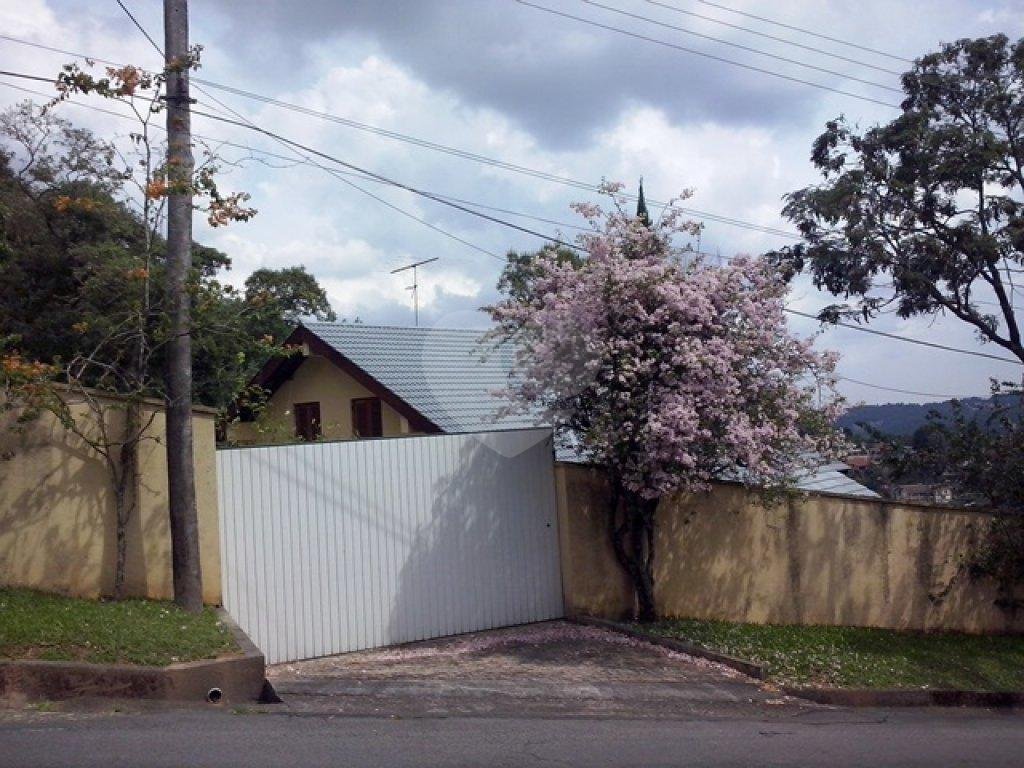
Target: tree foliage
(983,459)
(923,215)
(667,371)
(77,262)
(83,298)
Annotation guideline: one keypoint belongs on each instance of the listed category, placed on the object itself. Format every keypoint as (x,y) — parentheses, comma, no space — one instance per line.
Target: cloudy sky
(546,92)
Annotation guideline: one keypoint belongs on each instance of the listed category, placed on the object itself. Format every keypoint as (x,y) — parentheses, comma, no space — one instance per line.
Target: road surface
(833,738)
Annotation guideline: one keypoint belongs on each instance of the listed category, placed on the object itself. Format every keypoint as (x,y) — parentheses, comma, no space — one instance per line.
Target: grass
(852,657)
(35,625)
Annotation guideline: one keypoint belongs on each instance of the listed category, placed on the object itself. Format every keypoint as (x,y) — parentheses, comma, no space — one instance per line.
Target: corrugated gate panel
(334,547)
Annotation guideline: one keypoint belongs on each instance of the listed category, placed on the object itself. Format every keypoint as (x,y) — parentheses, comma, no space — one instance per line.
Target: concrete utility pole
(415,287)
(181,486)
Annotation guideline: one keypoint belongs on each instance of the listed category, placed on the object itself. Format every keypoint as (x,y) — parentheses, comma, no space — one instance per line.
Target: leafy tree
(82,295)
(76,257)
(928,206)
(982,458)
(667,373)
(285,296)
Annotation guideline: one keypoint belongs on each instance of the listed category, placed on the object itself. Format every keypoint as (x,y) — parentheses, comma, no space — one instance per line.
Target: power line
(141,28)
(382,178)
(301,160)
(337,173)
(804,31)
(767,36)
(511,225)
(490,161)
(454,151)
(749,49)
(907,339)
(897,389)
(705,54)
(350,183)
(435,146)
(334,172)
(37,78)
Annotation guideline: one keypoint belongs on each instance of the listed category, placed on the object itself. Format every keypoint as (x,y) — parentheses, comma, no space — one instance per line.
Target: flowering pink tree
(666,370)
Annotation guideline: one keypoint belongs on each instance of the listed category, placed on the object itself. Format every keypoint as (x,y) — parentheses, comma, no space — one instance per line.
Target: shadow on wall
(57,516)
(486,553)
(56,511)
(814,560)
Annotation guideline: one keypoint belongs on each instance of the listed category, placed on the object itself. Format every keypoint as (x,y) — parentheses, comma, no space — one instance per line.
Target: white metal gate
(333,547)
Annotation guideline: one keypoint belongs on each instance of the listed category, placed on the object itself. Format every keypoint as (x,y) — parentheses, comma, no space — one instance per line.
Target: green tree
(82,295)
(927,208)
(982,456)
(284,297)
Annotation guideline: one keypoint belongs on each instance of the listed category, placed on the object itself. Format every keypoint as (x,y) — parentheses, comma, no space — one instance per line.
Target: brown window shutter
(366,417)
(307,421)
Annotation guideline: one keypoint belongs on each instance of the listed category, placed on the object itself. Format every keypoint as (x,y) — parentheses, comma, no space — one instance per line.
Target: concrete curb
(839,697)
(236,678)
(748,668)
(905,697)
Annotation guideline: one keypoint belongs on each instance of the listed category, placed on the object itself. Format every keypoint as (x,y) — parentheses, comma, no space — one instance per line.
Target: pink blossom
(670,372)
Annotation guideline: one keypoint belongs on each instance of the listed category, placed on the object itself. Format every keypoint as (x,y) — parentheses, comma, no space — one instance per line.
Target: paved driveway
(549,669)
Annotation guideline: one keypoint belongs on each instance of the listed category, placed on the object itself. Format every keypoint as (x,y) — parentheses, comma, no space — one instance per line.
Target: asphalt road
(832,738)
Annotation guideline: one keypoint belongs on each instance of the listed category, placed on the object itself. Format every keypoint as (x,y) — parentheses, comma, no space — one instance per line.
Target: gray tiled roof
(830,479)
(450,376)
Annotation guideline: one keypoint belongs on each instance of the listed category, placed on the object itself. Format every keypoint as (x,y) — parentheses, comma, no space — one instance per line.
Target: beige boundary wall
(818,559)
(57,530)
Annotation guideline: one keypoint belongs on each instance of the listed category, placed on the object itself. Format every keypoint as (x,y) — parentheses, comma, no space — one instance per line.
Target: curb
(748,668)
(235,678)
(839,697)
(900,697)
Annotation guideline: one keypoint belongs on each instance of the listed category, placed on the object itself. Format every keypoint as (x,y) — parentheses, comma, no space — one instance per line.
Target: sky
(509,81)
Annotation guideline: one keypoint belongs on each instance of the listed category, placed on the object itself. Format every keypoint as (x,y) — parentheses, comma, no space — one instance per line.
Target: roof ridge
(421,329)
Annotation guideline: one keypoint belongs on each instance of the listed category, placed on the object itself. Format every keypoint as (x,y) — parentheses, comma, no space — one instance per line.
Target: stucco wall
(315,380)
(813,560)
(57,512)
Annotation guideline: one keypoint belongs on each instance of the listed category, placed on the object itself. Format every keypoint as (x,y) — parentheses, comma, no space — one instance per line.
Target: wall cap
(829,495)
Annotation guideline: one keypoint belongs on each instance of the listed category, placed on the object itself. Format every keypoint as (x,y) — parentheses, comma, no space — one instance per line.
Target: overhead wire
(803,30)
(747,48)
(435,146)
(333,172)
(245,123)
(775,38)
(704,54)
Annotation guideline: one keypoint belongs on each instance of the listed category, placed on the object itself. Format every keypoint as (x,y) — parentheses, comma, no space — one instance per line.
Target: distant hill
(902,419)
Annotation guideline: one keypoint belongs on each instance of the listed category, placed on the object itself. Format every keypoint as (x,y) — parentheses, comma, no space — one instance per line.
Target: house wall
(316,380)
(57,520)
(813,560)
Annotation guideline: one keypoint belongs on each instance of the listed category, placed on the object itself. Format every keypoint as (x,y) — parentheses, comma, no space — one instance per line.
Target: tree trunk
(126,484)
(631,525)
(188,587)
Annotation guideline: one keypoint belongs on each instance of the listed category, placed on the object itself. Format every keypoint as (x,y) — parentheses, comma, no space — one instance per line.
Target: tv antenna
(415,287)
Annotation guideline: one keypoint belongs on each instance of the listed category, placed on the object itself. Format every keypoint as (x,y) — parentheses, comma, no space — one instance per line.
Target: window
(307,421)
(366,417)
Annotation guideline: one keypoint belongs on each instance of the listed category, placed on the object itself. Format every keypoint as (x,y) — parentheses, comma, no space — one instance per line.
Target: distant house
(354,381)
(923,493)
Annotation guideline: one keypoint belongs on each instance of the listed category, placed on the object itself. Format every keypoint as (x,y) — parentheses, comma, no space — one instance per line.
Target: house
(353,381)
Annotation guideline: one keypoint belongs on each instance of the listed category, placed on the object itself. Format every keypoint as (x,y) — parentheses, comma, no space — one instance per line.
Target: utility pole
(415,287)
(181,486)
